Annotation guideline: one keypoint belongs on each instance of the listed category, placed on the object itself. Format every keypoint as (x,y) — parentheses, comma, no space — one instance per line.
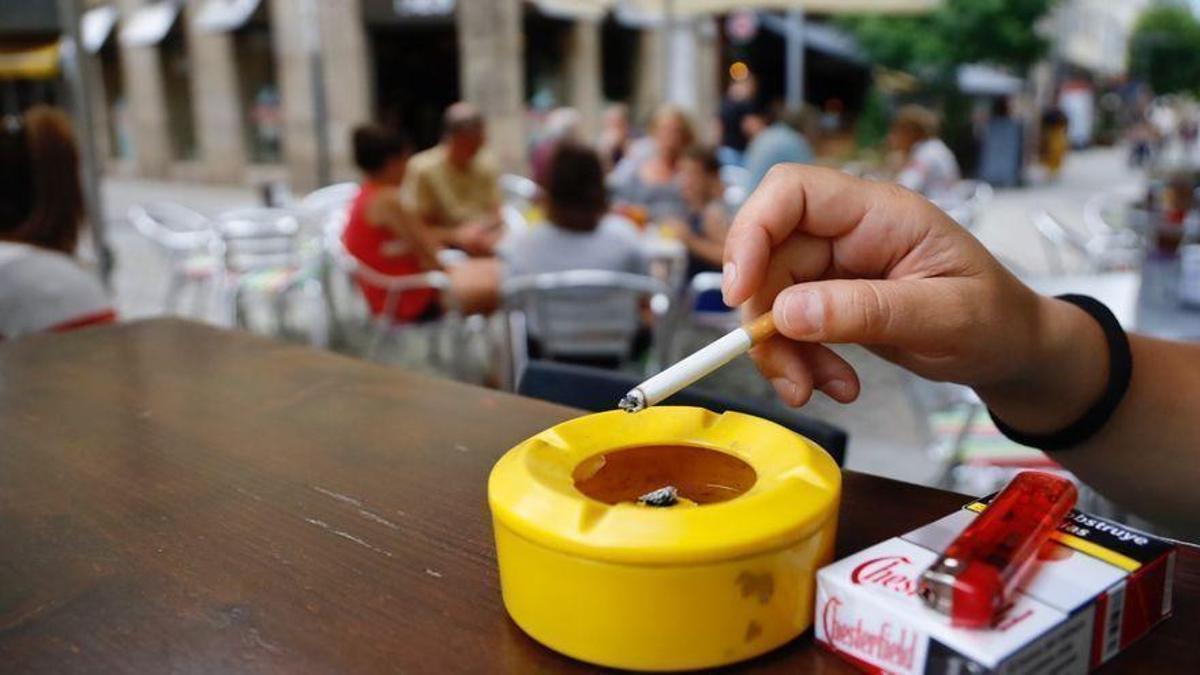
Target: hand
(477,237)
(844,260)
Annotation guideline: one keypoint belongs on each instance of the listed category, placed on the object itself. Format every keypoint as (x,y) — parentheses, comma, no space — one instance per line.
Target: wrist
(1063,374)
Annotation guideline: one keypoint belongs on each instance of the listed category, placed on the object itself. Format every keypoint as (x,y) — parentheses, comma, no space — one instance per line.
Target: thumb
(901,313)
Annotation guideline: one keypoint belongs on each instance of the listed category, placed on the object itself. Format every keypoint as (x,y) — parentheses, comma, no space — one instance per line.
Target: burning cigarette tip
(632,402)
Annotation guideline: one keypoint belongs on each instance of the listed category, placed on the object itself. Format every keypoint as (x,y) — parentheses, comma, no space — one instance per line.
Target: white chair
(184,237)
(966,201)
(518,190)
(584,313)
(1095,254)
(260,252)
(689,320)
(328,198)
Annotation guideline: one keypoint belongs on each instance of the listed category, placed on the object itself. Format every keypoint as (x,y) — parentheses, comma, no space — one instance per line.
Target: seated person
(42,287)
(703,231)
(577,235)
(928,165)
(454,188)
(646,177)
(383,235)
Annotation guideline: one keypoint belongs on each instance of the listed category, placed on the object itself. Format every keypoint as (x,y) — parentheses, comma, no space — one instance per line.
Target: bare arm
(843,260)
(389,211)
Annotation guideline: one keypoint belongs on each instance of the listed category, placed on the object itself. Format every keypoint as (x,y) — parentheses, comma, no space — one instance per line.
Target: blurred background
(1062,133)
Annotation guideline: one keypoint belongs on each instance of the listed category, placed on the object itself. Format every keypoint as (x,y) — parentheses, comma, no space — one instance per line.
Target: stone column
(216,102)
(296,93)
(142,72)
(585,73)
(692,59)
(491,65)
(648,85)
(347,79)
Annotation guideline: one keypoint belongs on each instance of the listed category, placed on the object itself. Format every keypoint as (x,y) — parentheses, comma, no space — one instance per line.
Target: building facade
(251,91)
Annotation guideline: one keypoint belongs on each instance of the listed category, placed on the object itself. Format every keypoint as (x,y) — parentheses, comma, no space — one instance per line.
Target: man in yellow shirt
(454,187)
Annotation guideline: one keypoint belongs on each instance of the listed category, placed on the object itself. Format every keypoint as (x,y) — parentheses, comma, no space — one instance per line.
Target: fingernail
(837,389)
(803,313)
(784,388)
(728,278)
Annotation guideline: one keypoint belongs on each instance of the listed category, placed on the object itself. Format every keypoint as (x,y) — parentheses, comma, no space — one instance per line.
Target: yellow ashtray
(724,574)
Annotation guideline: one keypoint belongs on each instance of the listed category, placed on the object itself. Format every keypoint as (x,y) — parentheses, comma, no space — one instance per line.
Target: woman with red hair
(42,287)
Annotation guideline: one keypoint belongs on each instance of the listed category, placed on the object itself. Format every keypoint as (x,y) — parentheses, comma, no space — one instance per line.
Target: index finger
(818,201)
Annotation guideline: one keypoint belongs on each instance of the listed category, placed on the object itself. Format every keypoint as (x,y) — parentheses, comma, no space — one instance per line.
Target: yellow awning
(31,63)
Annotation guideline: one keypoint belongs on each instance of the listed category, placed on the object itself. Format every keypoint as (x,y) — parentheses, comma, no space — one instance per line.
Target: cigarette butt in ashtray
(699,364)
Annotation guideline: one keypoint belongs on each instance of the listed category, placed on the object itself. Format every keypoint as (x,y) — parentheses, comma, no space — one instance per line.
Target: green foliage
(1000,32)
(873,122)
(1164,49)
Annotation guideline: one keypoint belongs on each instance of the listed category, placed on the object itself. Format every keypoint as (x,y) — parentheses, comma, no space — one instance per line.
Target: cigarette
(710,357)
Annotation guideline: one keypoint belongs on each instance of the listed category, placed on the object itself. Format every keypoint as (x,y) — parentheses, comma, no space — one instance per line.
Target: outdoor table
(174,498)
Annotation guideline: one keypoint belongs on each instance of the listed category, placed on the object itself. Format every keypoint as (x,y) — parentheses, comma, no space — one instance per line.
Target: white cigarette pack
(1095,588)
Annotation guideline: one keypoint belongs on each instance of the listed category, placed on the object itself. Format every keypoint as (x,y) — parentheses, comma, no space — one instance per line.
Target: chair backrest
(256,239)
(1057,238)
(596,390)
(585,312)
(517,189)
(330,197)
(172,226)
(966,201)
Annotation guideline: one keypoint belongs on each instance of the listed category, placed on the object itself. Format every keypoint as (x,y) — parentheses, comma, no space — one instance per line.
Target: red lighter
(972,580)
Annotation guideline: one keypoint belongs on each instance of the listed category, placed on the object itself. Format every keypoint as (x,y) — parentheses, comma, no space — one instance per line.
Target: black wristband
(1120,370)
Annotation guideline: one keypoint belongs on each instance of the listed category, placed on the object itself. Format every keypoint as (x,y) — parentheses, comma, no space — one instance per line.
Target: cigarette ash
(663,496)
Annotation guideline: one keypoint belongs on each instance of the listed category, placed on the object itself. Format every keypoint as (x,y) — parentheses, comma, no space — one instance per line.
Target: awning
(149,24)
(218,16)
(96,26)
(31,63)
(981,80)
(641,11)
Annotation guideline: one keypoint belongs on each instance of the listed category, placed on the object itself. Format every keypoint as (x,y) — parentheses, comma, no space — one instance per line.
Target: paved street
(889,426)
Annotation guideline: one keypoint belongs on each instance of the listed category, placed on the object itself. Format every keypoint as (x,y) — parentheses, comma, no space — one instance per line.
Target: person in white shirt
(929,166)
(42,288)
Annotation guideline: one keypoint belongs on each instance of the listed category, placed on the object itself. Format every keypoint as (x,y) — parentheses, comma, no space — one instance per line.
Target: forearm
(1145,457)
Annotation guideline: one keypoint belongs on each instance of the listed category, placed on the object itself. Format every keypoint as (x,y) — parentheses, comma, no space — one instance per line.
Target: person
(562,124)
(577,236)
(838,259)
(703,231)
(616,133)
(741,99)
(928,166)
(385,236)
(454,187)
(1000,158)
(42,287)
(1054,142)
(773,143)
(646,178)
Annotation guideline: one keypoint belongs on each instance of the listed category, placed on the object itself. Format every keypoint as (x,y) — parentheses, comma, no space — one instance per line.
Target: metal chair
(584,314)
(597,390)
(518,190)
(966,202)
(1095,254)
(384,323)
(184,236)
(331,197)
(261,253)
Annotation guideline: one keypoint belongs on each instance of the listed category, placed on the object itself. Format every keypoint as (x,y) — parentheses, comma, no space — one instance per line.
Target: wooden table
(178,499)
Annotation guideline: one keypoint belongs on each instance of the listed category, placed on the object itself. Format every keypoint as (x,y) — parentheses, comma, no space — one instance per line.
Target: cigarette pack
(1096,587)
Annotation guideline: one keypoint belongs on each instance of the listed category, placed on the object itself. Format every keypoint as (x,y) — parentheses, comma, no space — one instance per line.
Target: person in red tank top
(381,233)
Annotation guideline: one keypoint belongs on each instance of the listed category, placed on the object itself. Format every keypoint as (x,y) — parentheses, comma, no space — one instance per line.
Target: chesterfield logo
(888,572)
(879,644)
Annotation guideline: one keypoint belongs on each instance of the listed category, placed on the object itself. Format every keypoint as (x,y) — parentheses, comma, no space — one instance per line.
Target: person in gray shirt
(578,235)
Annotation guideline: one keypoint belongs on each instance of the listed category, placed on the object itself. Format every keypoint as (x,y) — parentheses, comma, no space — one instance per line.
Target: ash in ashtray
(663,496)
